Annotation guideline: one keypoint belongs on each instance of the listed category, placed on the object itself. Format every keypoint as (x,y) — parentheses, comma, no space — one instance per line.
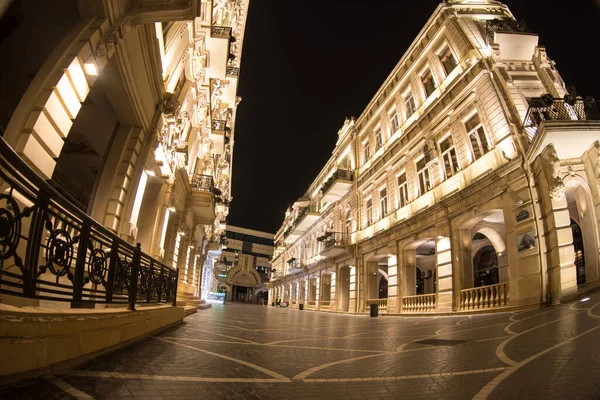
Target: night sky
(308,65)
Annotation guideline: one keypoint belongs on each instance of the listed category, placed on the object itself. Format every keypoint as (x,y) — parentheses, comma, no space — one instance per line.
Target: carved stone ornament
(597,165)
(551,167)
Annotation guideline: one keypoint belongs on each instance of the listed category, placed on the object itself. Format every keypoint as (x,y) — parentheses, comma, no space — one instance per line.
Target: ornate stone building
(469,182)
(131,115)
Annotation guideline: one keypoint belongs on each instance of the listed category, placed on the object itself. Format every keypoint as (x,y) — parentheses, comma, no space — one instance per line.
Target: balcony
(221,32)
(550,109)
(515,40)
(295,266)
(337,186)
(305,219)
(218,135)
(333,244)
(202,199)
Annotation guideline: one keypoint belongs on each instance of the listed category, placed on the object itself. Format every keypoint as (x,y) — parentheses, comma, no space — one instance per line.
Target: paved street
(254,352)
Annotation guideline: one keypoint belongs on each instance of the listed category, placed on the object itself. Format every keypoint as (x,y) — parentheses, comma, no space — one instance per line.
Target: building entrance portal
(343,289)
(243,294)
(426,268)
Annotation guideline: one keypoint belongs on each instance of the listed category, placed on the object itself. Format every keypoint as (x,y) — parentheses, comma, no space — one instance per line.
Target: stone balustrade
(382,303)
(419,303)
(491,296)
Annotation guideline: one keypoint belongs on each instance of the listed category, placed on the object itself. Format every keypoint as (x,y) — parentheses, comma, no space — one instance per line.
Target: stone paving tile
(402,358)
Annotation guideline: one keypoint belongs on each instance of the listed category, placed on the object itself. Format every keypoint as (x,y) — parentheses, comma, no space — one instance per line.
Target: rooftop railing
(52,250)
(202,183)
(547,108)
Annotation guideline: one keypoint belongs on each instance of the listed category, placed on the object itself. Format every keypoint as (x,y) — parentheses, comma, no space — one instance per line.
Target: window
(449,157)
(348,224)
(378,140)
(383,202)
(448,60)
(428,82)
(366,152)
(424,177)
(369,212)
(409,102)
(394,121)
(477,137)
(403,191)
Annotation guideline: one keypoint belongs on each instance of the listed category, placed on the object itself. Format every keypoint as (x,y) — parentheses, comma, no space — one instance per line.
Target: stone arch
(242,277)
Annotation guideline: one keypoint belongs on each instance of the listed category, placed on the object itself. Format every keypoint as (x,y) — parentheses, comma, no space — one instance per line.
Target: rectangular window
(366,152)
(369,212)
(449,157)
(383,202)
(477,137)
(411,106)
(428,82)
(448,60)
(378,139)
(424,177)
(394,121)
(403,191)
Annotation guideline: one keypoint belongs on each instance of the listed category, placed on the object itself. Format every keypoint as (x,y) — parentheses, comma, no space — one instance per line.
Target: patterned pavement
(242,351)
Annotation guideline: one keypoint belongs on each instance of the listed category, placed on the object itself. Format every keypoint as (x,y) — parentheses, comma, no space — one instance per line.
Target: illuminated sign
(215,298)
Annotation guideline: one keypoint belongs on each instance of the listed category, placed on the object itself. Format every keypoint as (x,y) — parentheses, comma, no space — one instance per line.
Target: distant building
(470,181)
(244,267)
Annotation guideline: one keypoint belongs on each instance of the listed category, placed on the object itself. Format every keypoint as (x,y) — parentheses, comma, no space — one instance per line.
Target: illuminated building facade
(460,187)
(130,113)
(244,268)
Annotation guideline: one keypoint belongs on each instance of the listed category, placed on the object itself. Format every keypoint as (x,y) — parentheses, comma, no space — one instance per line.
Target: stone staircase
(190,302)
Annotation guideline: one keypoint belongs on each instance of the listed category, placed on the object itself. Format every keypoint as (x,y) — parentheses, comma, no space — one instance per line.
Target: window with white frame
(448,60)
(394,121)
(449,157)
(383,203)
(402,191)
(366,152)
(425,184)
(409,103)
(479,141)
(369,212)
(428,82)
(378,139)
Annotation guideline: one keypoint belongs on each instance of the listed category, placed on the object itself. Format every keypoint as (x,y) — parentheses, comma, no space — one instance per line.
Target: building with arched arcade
(460,187)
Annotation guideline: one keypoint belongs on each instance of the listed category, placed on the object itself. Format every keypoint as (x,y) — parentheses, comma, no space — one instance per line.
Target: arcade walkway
(255,352)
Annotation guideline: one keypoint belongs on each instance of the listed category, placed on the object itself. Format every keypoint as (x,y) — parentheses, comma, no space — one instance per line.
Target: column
(463,263)
(333,296)
(444,274)
(393,305)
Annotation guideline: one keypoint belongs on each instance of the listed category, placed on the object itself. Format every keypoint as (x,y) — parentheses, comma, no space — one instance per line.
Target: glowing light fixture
(150,172)
(172,209)
(441,237)
(90,68)
(585,299)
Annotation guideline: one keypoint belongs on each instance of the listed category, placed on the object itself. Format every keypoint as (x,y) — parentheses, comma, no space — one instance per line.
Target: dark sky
(308,65)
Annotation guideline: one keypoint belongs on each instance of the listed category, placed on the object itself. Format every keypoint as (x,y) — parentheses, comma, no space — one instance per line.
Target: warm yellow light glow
(172,209)
(150,172)
(90,68)
(139,195)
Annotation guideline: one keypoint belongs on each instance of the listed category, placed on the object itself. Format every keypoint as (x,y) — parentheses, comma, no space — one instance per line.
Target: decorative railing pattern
(419,303)
(233,71)
(52,250)
(505,25)
(221,31)
(202,183)
(311,208)
(491,296)
(382,303)
(547,108)
(331,239)
(340,174)
(219,124)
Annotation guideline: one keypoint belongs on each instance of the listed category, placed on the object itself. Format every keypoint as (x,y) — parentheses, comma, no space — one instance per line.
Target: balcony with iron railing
(546,109)
(337,185)
(295,265)
(333,244)
(202,198)
(52,250)
(307,216)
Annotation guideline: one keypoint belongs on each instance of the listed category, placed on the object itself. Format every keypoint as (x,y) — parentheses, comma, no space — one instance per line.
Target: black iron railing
(331,239)
(219,125)
(221,31)
(505,25)
(340,174)
(233,71)
(52,250)
(202,183)
(550,109)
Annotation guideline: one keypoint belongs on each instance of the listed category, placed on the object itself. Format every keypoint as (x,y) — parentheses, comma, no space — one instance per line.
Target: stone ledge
(38,341)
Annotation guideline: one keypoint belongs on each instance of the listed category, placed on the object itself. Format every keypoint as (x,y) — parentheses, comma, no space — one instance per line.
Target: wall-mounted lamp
(90,68)
(441,237)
